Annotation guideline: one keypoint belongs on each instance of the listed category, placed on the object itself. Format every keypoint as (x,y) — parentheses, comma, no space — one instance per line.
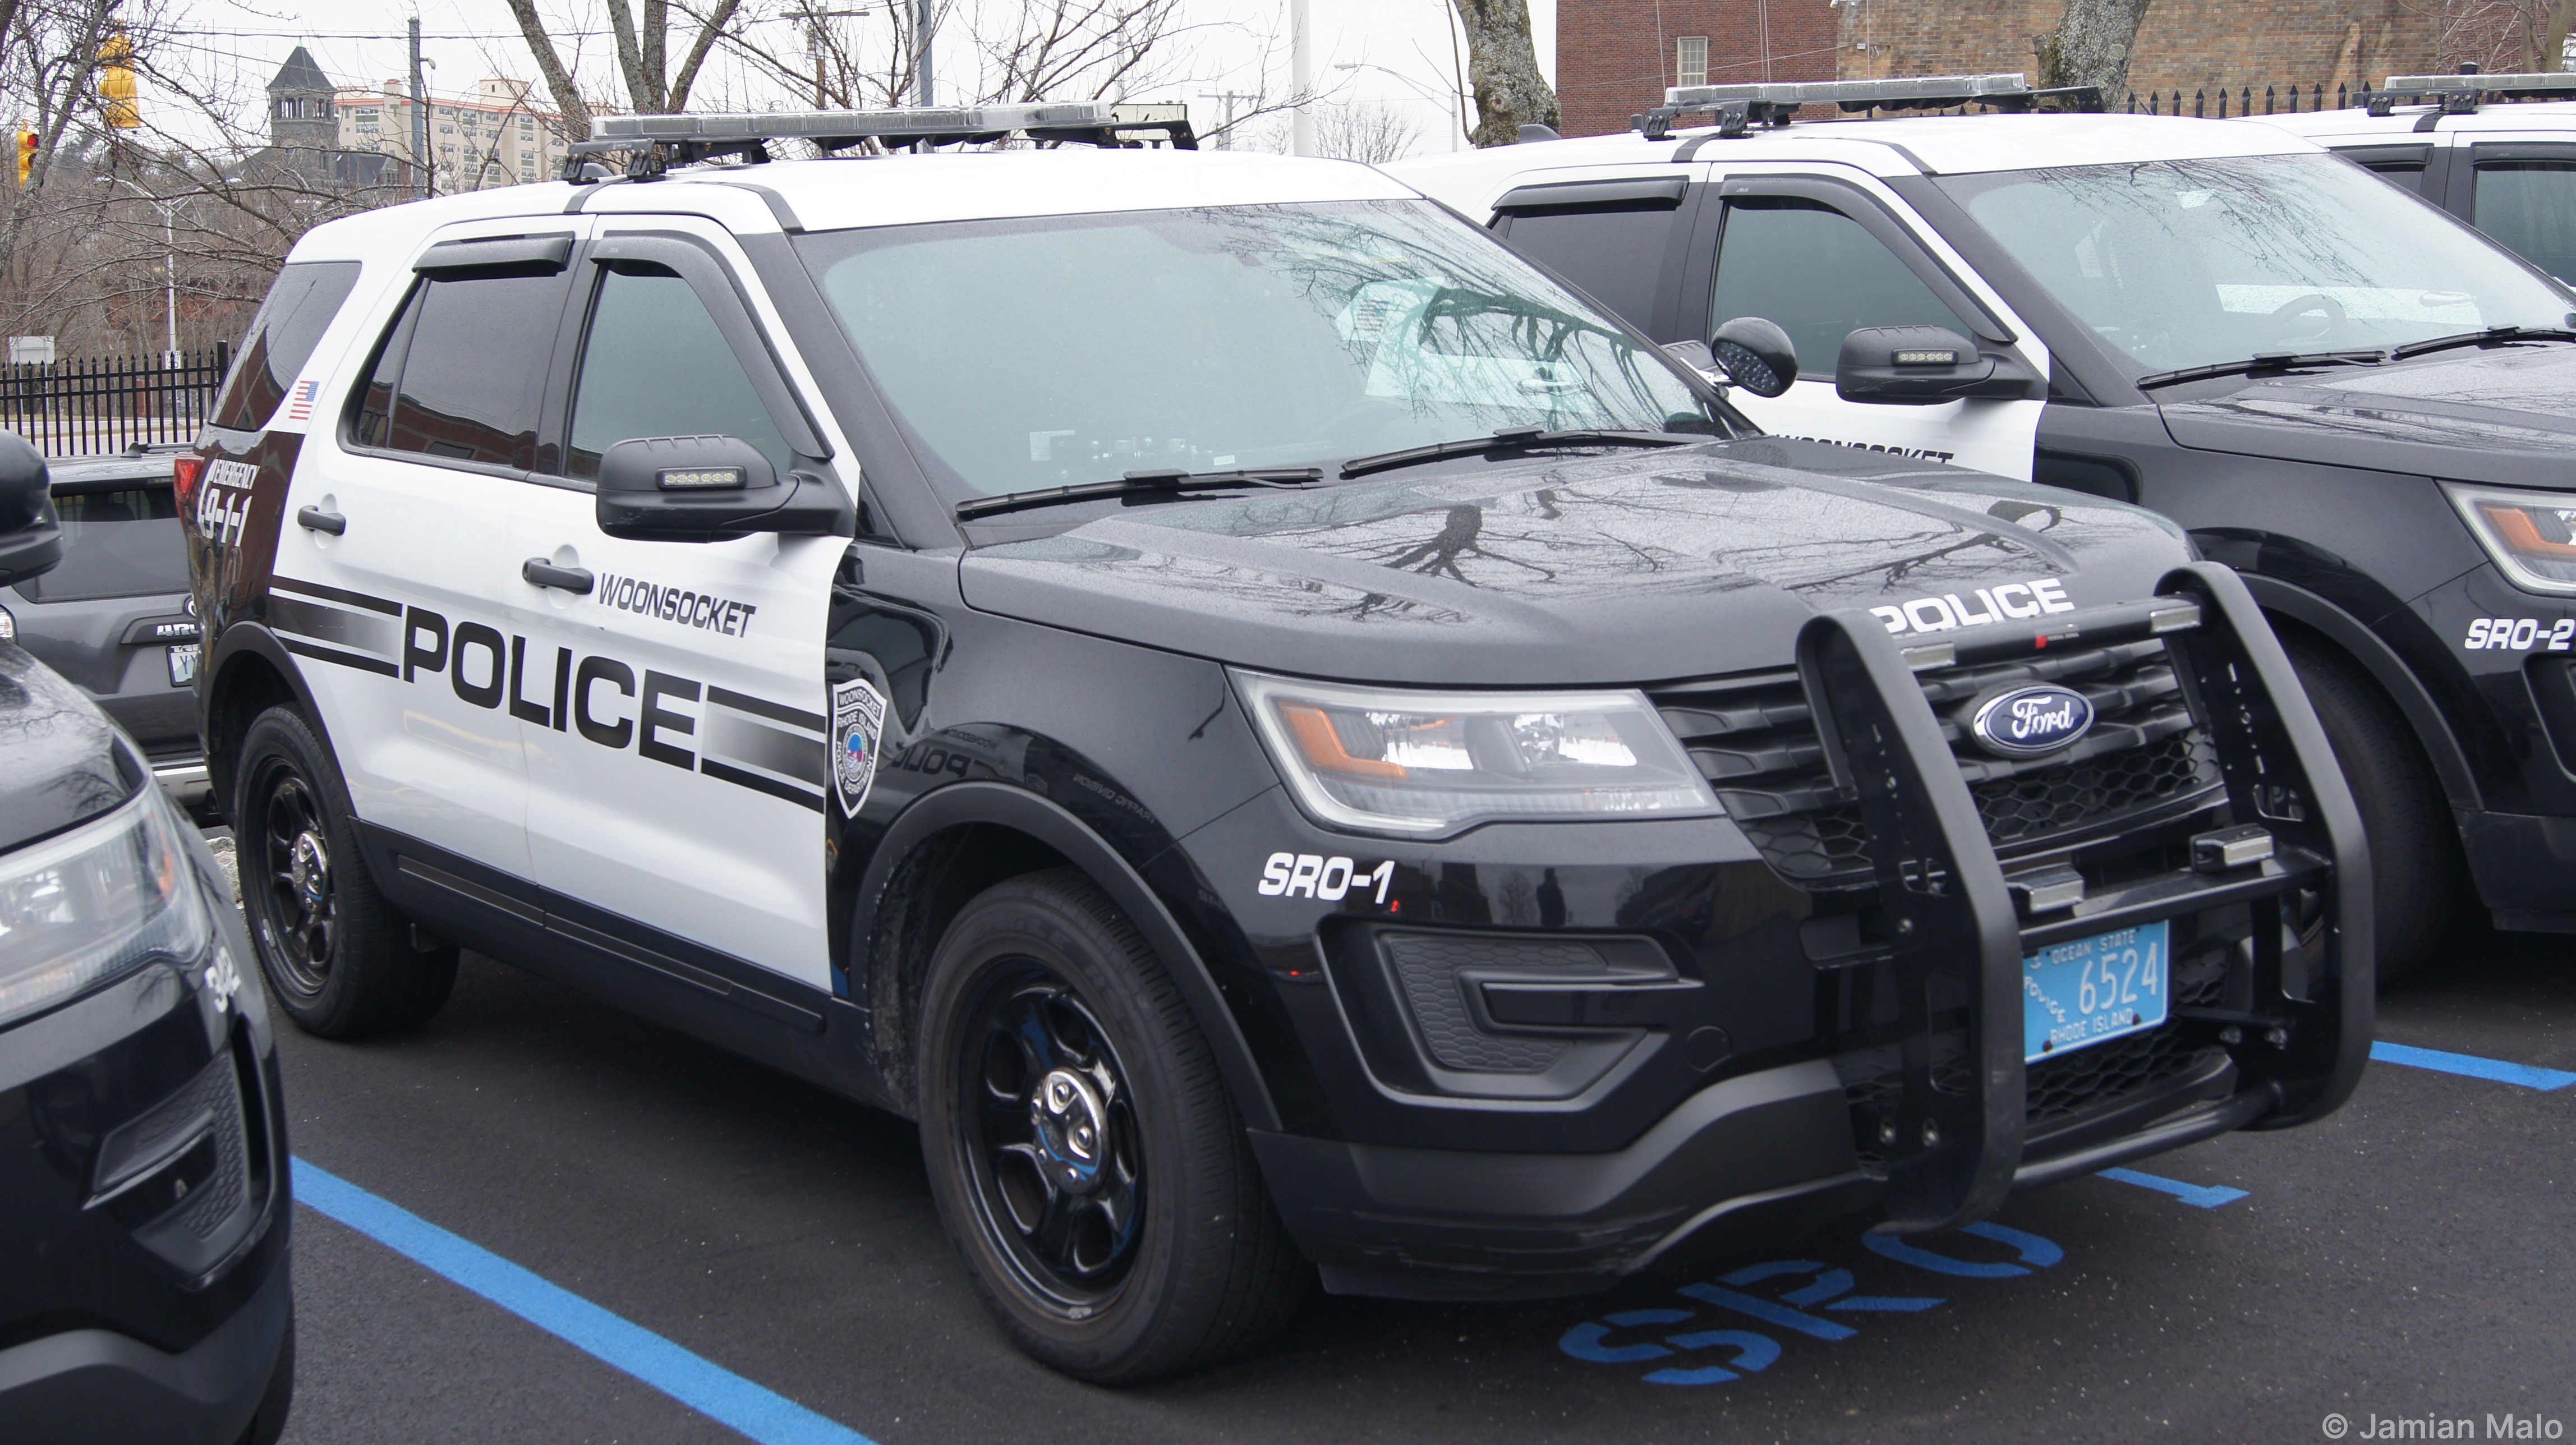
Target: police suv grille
(1755,741)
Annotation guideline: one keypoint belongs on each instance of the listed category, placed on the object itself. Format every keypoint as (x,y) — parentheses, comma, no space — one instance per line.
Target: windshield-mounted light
(1425,763)
(2531,535)
(87,907)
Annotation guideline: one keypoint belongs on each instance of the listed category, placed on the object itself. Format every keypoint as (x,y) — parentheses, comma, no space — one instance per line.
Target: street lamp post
(1416,87)
(168,208)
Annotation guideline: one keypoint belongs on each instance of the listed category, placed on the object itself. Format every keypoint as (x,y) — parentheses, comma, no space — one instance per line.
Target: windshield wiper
(2490,336)
(2260,361)
(1514,439)
(1139,484)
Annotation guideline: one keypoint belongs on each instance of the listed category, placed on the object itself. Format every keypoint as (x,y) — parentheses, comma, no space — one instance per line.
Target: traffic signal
(26,157)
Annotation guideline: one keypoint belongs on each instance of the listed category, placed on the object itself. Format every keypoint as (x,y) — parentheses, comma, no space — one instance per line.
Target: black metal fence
(2242,100)
(96,405)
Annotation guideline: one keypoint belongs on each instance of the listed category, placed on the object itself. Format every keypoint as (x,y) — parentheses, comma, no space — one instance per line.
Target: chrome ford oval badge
(2027,722)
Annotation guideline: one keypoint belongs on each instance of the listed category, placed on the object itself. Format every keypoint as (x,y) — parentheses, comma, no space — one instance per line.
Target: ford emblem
(2029,722)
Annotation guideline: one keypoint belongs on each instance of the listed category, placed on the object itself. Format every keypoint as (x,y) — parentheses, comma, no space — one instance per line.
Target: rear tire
(337,957)
(1085,1156)
(2415,860)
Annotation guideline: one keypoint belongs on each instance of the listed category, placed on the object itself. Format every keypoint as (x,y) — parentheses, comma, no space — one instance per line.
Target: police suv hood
(2506,415)
(65,763)
(1628,568)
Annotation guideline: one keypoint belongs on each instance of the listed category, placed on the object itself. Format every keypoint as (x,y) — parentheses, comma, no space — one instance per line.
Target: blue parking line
(2198,1196)
(2471,1065)
(691,1379)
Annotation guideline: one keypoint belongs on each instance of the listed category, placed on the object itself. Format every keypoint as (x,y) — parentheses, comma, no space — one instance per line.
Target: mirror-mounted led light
(2530,535)
(690,479)
(1927,358)
(1433,763)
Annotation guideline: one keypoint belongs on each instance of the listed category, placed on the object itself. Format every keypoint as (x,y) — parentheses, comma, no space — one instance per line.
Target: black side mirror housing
(31,541)
(1755,354)
(1925,366)
(710,489)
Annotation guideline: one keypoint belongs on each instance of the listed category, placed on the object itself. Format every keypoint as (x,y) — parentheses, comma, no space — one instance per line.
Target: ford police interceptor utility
(1282,736)
(2351,398)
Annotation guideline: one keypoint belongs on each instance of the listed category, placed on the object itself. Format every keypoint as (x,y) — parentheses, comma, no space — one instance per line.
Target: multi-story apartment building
(495,137)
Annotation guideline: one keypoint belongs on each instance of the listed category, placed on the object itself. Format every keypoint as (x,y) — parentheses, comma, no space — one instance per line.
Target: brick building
(1614,57)
(495,137)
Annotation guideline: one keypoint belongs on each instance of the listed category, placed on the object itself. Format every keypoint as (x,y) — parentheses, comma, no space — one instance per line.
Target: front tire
(2415,860)
(1086,1159)
(338,959)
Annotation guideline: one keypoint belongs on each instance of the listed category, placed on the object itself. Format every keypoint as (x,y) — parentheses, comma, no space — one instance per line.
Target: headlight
(1426,763)
(2531,535)
(95,904)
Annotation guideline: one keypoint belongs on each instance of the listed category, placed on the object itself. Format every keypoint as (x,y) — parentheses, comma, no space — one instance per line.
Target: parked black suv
(144,1208)
(115,616)
(1267,725)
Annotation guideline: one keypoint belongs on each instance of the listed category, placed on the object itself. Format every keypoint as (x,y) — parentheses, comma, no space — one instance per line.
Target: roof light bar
(1895,92)
(1741,107)
(2544,82)
(855,125)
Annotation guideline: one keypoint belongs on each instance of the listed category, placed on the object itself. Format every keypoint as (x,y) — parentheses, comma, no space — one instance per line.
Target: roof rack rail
(657,142)
(1741,107)
(2459,94)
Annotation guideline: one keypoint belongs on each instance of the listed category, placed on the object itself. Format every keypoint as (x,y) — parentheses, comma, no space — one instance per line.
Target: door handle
(538,572)
(314,519)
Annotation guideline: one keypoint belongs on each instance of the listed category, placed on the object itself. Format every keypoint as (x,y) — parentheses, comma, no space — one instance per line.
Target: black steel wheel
(338,959)
(1085,1156)
(1051,1139)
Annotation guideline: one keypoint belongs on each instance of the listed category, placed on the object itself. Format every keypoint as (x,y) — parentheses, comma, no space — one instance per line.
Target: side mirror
(31,541)
(1924,366)
(708,489)
(1755,354)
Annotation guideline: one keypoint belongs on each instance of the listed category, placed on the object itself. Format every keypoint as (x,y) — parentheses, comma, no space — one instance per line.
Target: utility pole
(814,47)
(419,116)
(1301,81)
(923,92)
(1225,136)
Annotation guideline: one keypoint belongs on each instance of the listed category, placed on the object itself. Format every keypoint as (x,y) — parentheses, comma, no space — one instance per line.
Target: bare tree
(1365,131)
(2091,45)
(643,31)
(2499,35)
(1502,64)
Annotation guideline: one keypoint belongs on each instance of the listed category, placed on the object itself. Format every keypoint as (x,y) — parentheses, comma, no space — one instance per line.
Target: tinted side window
(2408,174)
(462,375)
(655,364)
(1818,273)
(281,339)
(1617,255)
(2529,206)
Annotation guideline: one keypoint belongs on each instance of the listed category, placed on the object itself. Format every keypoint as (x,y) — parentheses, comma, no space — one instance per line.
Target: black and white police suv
(1277,732)
(2497,151)
(144,1210)
(2353,399)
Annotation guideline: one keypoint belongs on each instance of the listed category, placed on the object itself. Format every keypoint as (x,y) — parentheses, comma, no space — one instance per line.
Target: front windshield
(2189,263)
(1039,352)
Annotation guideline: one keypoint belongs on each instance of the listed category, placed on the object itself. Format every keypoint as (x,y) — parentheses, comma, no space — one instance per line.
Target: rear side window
(281,339)
(1617,255)
(656,365)
(2529,207)
(1820,275)
(462,373)
(119,541)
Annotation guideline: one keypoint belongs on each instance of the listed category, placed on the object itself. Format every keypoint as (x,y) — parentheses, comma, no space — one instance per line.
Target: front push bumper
(1763,1157)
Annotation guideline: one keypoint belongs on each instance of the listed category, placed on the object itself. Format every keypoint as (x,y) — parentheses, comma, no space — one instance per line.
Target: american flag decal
(299,402)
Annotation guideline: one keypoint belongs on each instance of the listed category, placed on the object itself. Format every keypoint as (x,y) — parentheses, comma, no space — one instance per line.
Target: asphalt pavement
(2408,1260)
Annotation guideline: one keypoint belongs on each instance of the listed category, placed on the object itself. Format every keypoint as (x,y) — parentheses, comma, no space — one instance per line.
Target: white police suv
(2352,398)
(1293,744)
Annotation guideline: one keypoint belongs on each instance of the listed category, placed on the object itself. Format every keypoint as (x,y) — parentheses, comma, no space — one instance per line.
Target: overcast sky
(359,42)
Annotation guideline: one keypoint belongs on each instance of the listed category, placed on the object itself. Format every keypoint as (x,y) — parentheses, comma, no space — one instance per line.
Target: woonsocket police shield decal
(858,721)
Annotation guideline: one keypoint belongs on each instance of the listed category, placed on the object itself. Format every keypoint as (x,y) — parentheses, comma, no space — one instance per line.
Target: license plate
(183,664)
(2078,994)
